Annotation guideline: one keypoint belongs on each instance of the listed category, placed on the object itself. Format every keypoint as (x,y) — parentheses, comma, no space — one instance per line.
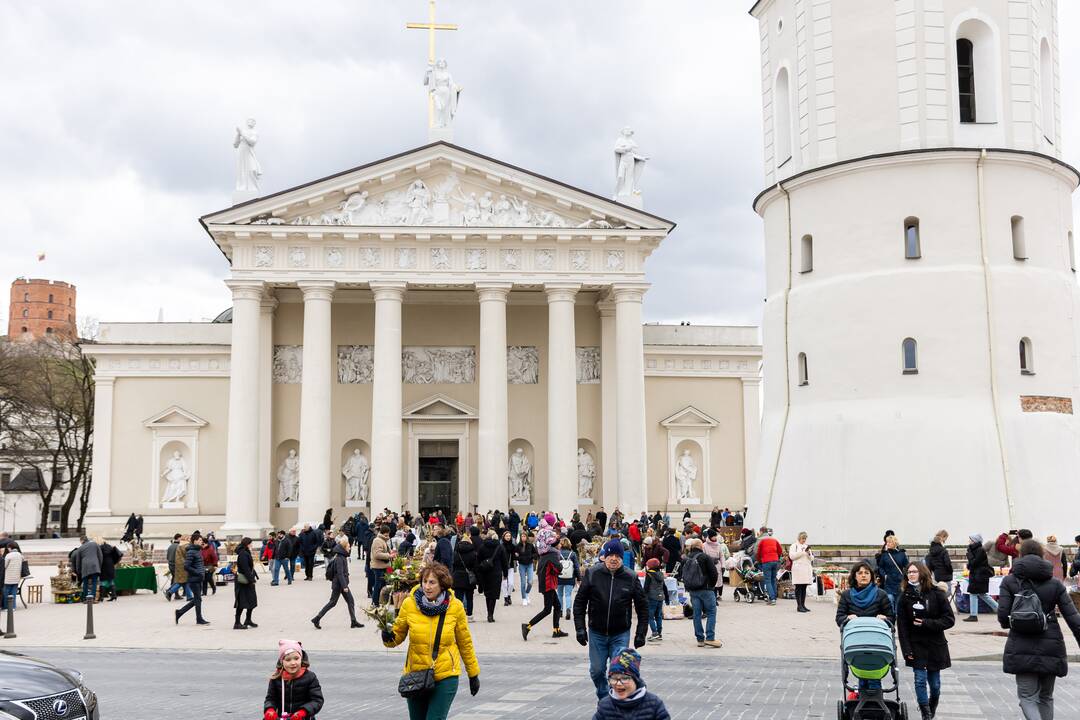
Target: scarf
(638,694)
(299,673)
(864,598)
(438,606)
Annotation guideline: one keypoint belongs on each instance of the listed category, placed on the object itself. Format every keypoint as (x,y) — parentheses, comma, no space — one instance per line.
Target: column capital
(629,292)
(493,291)
(246,289)
(606,308)
(561,291)
(388,290)
(317,289)
(751,379)
(268,303)
(104,381)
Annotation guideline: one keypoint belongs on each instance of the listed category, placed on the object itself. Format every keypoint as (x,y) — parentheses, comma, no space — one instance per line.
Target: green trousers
(435,706)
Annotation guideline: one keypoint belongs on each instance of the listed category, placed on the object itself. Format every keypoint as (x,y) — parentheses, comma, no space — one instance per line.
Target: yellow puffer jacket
(455,645)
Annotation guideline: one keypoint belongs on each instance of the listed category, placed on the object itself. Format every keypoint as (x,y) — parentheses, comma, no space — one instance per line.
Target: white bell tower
(920,326)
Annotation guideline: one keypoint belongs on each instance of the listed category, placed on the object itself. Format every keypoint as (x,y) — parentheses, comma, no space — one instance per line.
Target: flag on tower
(41,256)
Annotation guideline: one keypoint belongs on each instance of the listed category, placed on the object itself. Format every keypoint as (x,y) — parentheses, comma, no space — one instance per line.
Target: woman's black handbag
(421,682)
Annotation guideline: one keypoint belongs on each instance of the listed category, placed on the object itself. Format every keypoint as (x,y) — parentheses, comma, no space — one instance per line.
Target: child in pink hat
(294,692)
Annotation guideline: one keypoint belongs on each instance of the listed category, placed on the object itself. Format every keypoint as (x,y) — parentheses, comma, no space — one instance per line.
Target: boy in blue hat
(627,695)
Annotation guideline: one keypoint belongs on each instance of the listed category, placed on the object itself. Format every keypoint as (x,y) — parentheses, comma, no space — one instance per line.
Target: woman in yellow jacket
(417,620)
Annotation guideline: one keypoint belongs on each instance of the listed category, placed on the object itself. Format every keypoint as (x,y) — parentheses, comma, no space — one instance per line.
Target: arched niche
(347,451)
(690,430)
(516,496)
(174,430)
(593,497)
(280,456)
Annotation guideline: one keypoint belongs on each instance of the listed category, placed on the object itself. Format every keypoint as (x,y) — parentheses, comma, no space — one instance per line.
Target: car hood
(24,677)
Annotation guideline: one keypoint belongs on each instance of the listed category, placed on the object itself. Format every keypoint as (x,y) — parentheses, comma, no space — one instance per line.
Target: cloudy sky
(116,129)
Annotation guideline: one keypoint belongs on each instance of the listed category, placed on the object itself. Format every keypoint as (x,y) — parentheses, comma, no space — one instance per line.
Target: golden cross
(431,26)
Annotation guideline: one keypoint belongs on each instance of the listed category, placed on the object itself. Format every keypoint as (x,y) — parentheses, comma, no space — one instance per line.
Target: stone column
(609,486)
(562,399)
(242,454)
(314,494)
(100,486)
(493,491)
(751,402)
(386,473)
(266,409)
(630,379)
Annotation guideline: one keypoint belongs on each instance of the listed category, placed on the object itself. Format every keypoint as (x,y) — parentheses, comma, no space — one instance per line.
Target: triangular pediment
(439,407)
(175,416)
(689,416)
(438,186)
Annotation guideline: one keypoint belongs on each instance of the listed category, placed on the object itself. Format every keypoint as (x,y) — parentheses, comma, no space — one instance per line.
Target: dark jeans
(769,569)
(927,684)
(704,604)
(466,597)
(656,616)
(309,565)
(195,588)
(378,580)
(551,605)
(336,593)
(208,582)
(602,648)
(90,586)
(436,704)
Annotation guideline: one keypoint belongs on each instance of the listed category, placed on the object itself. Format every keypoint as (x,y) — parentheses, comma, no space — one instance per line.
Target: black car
(36,690)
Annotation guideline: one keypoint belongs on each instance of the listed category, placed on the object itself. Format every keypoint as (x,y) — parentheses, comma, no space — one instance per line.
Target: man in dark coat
(110,556)
(282,549)
(364,536)
(601,518)
(294,553)
(1037,660)
(309,545)
(193,564)
(513,524)
(491,563)
(674,548)
(979,574)
(444,552)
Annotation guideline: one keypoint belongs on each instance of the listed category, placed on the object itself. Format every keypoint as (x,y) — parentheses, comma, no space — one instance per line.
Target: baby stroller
(868,651)
(748,581)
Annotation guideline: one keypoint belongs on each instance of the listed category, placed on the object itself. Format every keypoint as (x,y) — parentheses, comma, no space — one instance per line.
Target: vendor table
(136,578)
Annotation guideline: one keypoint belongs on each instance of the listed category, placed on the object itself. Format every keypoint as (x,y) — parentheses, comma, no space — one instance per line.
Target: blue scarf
(429,607)
(862,599)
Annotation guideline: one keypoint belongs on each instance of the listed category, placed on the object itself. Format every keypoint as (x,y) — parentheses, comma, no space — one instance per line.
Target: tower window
(50,315)
(910,350)
(804,377)
(1027,357)
(912,246)
(782,117)
(50,298)
(1019,243)
(25,329)
(1072,253)
(26,312)
(26,297)
(807,255)
(48,331)
(965,77)
(1046,83)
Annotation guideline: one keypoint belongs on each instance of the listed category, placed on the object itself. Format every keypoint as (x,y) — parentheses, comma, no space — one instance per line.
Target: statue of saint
(248,170)
(288,477)
(356,472)
(520,477)
(418,198)
(629,164)
(176,476)
(444,93)
(586,474)
(685,475)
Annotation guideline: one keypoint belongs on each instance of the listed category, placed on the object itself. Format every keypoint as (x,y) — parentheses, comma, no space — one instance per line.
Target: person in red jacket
(634,533)
(768,557)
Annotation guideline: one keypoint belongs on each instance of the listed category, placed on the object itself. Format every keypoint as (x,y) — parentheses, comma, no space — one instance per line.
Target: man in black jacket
(608,598)
(193,564)
(294,552)
(281,557)
(699,575)
(309,545)
(444,551)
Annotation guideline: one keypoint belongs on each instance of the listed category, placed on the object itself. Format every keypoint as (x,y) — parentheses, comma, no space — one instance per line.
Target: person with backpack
(294,691)
(491,560)
(890,564)
(698,574)
(979,574)
(657,595)
(924,616)
(938,560)
(337,572)
(548,570)
(569,574)
(1032,602)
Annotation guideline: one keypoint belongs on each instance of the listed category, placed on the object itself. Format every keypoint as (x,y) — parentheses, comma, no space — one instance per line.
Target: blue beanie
(611,547)
(627,662)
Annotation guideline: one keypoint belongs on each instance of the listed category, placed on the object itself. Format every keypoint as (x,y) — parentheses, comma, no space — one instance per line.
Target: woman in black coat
(489,571)
(924,616)
(979,574)
(938,560)
(246,597)
(511,557)
(863,598)
(110,557)
(1037,660)
(674,548)
(463,570)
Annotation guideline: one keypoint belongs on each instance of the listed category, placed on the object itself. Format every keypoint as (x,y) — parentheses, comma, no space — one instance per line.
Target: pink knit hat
(550,517)
(284,647)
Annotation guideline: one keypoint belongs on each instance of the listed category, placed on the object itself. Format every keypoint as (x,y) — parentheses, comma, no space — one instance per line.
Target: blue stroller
(868,651)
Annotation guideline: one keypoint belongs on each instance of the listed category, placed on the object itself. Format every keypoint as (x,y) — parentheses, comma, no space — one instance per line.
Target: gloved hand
(474,684)
(387,636)
(582,638)
(639,640)
(298,715)
(270,714)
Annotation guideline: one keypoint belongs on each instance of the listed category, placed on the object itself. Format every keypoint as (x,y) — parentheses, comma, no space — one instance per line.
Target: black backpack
(1027,616)
(331,568)
(693,576)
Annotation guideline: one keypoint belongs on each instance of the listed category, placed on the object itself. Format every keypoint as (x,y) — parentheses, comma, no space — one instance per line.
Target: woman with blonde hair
(938,560)
(434,623)
(802,570)
(337,572)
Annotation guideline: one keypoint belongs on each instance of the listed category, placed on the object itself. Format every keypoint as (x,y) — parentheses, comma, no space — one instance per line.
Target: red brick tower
(41,307)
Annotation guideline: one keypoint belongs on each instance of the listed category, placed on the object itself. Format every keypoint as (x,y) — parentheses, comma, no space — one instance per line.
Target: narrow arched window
(50,315)
(965,78)
(806,258)
(782,117)
(1072,253)
(910,351)
(804,377)
(1019,242)
(25,329)
(50,298)
(1046,85)
(1027,357)
(26,312)
(26,297)
(912,245)
(48,331)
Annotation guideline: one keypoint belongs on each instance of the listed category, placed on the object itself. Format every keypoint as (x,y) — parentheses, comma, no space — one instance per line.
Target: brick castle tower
(41,307)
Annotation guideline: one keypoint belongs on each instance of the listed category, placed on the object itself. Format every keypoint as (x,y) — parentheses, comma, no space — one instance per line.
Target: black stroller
(868,651)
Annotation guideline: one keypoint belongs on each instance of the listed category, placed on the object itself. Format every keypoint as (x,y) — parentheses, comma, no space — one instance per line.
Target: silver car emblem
(60,708)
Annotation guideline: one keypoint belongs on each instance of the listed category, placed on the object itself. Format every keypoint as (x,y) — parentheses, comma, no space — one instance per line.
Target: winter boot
(112,593)
(557,633)
(525,628)
(933,704)
(924,711)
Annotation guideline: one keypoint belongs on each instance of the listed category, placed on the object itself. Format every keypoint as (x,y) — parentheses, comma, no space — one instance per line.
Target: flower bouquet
(401,576)
(383,615)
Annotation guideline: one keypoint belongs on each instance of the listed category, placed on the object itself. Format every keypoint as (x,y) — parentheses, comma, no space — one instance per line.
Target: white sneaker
(525,602)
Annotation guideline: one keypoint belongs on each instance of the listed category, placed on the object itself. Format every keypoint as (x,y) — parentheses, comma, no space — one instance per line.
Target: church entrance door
(438,476)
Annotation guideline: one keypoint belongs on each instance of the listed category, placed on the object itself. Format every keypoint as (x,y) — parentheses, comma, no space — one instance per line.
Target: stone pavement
(146,621)
(140,684)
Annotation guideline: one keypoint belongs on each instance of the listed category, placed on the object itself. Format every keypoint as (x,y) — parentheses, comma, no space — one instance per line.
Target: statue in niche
(520,477)
(248,170)
(629,164)
(288,477)
(356,473)
(444,93)
(586,474)
(176,478)
(685,475)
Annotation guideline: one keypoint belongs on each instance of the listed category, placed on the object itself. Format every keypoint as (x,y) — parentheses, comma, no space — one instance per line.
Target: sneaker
(567,614)
(525,631)
(714,644)
(653,638)
(971,618)
(176,614)
(315,622)
(701,643)
(238,626)
(559,634)
(356,624)
(251,624)
(202,622)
